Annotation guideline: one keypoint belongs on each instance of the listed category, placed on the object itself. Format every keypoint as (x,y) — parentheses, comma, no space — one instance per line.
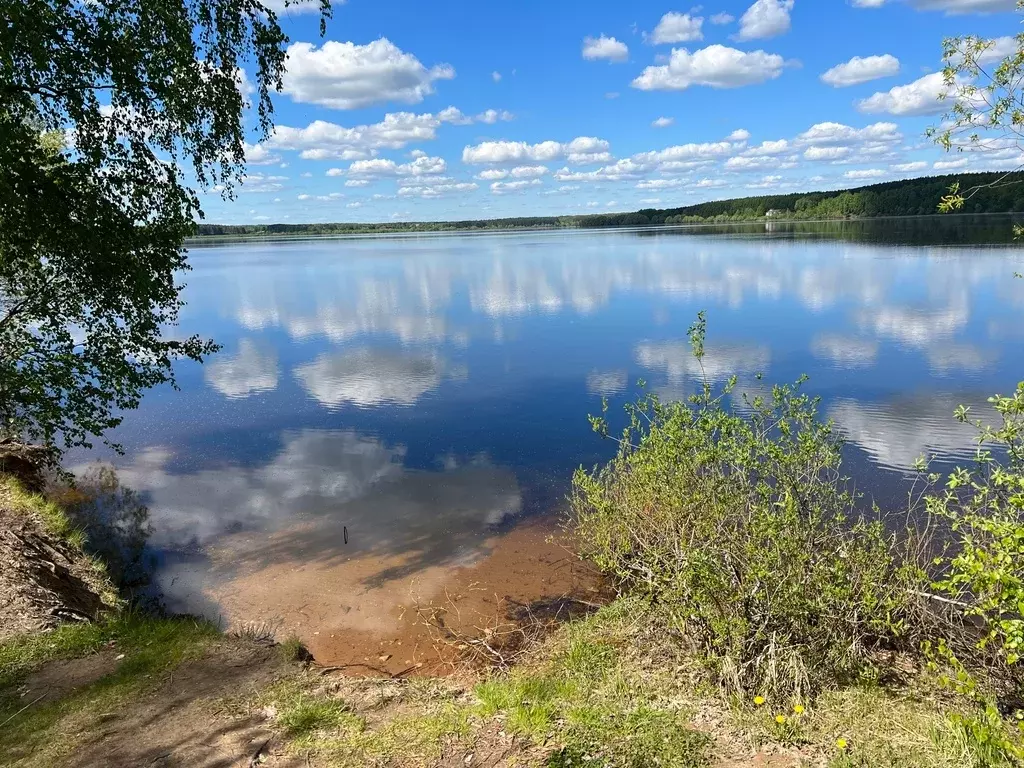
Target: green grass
(152,648)
(597,703)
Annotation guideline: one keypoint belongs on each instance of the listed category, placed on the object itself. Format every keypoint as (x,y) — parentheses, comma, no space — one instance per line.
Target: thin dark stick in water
(344,530)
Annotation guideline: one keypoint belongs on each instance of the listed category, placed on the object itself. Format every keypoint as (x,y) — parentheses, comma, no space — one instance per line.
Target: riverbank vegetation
(912,197)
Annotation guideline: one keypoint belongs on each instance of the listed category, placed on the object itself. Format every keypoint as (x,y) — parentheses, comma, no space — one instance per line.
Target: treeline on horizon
(912,197)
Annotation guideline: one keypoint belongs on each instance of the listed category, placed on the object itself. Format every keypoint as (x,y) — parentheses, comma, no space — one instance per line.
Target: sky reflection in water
(419,391)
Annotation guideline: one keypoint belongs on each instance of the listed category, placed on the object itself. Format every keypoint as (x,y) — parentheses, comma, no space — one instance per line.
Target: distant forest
(894,198)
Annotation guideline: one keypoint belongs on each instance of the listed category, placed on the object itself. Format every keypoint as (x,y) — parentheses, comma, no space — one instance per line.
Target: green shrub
(732,515)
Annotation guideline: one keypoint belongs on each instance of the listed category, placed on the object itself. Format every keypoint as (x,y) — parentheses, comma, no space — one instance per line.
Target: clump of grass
(305,714)
(293,649)
(597,702)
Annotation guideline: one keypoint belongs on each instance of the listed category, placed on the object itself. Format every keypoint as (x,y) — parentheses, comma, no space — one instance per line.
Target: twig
(5,722)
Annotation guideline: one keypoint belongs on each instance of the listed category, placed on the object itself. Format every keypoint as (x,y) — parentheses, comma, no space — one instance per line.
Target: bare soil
(184,721)
(42,580)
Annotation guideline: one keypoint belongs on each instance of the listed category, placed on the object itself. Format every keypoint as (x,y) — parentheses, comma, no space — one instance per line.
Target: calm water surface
(420,391)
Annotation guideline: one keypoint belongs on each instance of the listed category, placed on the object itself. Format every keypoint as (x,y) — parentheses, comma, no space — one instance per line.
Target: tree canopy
(113,114)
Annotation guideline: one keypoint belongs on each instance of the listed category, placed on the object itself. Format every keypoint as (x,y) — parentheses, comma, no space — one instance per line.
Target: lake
(386,411)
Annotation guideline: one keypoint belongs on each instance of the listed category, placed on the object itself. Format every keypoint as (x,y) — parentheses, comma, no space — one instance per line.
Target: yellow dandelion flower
(758,701)
(780,719)
(799,709)
(841,743)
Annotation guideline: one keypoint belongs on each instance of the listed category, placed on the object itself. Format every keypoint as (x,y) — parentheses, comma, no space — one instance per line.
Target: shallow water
(419,394)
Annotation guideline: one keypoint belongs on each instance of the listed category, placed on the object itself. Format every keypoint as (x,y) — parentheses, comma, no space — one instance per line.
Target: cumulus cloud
(500,187)
(918,165)
(861,70)
(258,154)
(739,135)
(921,97)
(437,189)
(321,140)
(948,165)
(677,28)
(528,171)
(765,18)
(607,48)
(581,150)
(868,3)
(491,116)
(716,66)
(663,122)
(870,173)
(350,76)
(421,166)
(722,18)
(838,133)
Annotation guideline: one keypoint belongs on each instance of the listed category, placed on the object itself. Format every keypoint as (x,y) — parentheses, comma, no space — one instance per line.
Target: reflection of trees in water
(116,525)
(295,508)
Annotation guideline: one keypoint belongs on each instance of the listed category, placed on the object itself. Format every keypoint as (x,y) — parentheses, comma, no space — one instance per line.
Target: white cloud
(350,76)
(716,66)
(765,18)
(677,28)
(767,148)
(765,182)
(496,76)
(722,18)
(321,140)
(868,3)
(357,182)
(421,166)
(871,173)
(597,48)
(528,171)
(663,122)
(828,153)
(430,191)
(921,97)
(838,133)
(258,154)
(861,70)
(948,165)
(918,165)
(499,187)
(492,174)
(259,182)
(243,374)
(583,149)
(491,116)
(739,135)
(588,149)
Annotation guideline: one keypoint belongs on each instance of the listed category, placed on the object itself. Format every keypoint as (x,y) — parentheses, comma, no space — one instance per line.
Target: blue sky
(407,110)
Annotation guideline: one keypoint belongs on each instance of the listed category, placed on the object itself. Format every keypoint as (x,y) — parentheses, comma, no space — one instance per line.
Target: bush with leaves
(732,515)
